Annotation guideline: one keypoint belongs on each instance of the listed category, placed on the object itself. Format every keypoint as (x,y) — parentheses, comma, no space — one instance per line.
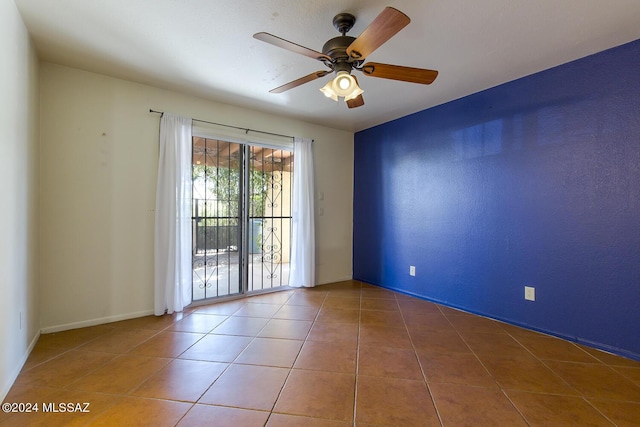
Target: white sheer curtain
(172,249)
(303,244)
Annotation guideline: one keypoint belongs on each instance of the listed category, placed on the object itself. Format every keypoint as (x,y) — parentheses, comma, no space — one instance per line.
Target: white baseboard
(4,390)
(12,379)
(334,280)
(94,322)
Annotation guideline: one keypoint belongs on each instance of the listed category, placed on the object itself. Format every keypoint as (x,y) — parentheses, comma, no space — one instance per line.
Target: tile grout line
(487,370)
(275,402)
(471,350)
(229,364)
(355,380)
(424,375)
(545,365)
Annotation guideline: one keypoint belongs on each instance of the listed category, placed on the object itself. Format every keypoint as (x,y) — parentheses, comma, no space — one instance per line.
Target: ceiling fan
(343,54)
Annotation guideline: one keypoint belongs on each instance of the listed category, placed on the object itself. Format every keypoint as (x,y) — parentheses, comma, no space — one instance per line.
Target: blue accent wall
(535,182)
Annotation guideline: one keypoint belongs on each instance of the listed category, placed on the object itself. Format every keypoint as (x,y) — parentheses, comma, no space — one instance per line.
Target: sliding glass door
(241,216)
(216,210)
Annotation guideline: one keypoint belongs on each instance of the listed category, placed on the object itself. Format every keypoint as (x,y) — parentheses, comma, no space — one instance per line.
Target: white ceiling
(206,48)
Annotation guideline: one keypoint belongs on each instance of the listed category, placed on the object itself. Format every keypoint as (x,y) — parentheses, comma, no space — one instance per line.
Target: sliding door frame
(244,217)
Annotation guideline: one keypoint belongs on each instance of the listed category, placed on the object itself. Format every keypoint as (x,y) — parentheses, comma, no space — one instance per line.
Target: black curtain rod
(229,126)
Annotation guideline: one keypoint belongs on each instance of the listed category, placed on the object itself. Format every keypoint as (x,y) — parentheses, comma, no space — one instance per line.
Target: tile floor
(345,354)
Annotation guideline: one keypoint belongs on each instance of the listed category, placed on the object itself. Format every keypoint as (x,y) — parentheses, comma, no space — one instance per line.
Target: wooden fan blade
(397,72)
(293,47)
(302,80)
(386,25)
(357,101)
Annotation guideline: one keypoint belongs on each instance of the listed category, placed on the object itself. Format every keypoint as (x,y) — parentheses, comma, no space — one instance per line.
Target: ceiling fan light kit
(343,85)
(343,54)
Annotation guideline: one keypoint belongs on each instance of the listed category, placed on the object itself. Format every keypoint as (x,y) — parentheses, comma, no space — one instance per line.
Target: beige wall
(99,146)
(19,324)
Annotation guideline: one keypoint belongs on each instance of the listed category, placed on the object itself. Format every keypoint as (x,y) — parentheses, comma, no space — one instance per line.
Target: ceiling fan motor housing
(336,48)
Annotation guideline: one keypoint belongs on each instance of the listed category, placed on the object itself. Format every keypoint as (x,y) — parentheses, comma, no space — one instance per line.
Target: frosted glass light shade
(327,90)
(343,85)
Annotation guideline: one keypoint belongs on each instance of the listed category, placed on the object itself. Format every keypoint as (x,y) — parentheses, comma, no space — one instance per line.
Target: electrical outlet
(412,270)
(529,293)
